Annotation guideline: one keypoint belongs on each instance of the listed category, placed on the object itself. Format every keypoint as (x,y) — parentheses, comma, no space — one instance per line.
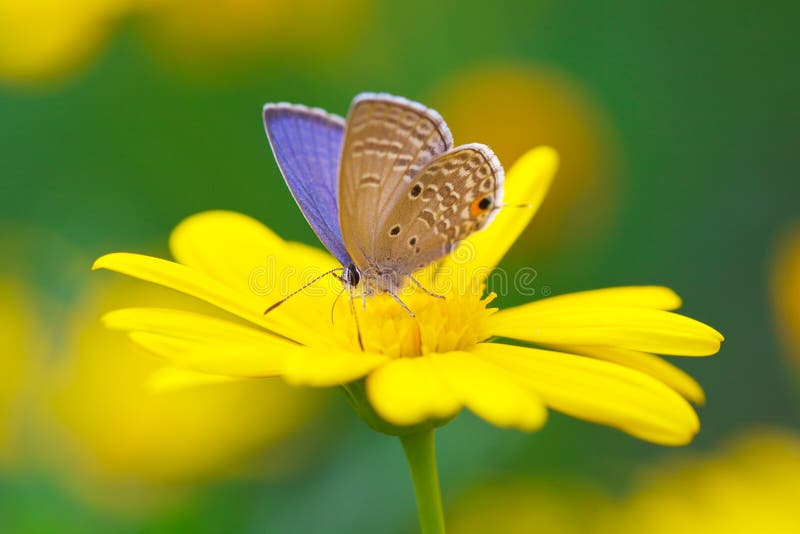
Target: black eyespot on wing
(415,191)
(485,203)
(412,241)
(395,230)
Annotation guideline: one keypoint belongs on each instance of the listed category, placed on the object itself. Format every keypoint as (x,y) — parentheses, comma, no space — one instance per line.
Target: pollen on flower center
(456,322)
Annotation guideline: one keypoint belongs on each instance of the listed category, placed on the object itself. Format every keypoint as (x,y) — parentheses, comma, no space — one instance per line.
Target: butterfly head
(351,276)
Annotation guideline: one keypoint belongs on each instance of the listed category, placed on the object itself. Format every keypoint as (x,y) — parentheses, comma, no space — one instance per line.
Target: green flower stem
(421,455)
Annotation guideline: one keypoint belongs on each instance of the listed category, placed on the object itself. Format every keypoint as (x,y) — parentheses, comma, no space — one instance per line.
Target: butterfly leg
(426,290)
(355,318)
(403,304)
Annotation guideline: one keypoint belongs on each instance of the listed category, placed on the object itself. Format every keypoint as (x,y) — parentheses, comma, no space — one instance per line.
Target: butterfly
(385,190)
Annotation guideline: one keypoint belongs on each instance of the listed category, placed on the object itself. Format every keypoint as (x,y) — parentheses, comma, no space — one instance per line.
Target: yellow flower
(520,507)
(21,352)
(750,487)
(224,34)
(785,281)
(113,436)
(593,357)
(45,39)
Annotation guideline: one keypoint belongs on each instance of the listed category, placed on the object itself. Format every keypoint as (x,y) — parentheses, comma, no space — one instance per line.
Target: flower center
(456,322)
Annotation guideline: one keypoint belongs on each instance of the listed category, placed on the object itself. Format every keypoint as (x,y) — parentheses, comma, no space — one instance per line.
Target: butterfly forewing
(388,140)
(307,144)
(450,198)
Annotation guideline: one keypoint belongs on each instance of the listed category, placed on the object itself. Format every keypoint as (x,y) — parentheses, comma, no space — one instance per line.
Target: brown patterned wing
(450,198)
(387,141)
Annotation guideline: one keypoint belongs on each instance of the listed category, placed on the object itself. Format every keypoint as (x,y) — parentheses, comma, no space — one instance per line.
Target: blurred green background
(677,126)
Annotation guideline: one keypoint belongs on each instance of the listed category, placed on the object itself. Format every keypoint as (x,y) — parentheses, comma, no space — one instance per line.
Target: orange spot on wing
(475,208)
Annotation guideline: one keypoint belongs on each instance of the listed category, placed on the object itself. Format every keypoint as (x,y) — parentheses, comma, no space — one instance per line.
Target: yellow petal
(655,297)
(168,379)
(599,391)
(489,391)
(224,245)
(527,183)
(647,363)
(203,344)
(407,391)
(236,249)
(209,345)
(641,329)
(297,365)
(191,326)
(223,358)
(241,253)
(323,367)
(194,283)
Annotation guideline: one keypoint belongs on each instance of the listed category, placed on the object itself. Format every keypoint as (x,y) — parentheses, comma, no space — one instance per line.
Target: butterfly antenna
(355,318)
(425,289)
(295,292)
(333,306)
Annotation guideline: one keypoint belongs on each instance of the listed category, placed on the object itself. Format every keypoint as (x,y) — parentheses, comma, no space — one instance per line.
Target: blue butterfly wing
(307,144)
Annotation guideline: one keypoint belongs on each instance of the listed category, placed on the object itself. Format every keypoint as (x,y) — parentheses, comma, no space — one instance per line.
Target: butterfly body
(384,190)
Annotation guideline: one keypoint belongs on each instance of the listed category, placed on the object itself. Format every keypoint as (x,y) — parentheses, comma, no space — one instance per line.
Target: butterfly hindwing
(307,144)
(453,196)
(387,141)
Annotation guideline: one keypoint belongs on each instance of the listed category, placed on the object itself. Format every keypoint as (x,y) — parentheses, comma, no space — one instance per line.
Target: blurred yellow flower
(515,106)
(785,282)
(519,507)
(223,31)
(751,487)
(45,39)
(21,352)
(422,370)
(111,429)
